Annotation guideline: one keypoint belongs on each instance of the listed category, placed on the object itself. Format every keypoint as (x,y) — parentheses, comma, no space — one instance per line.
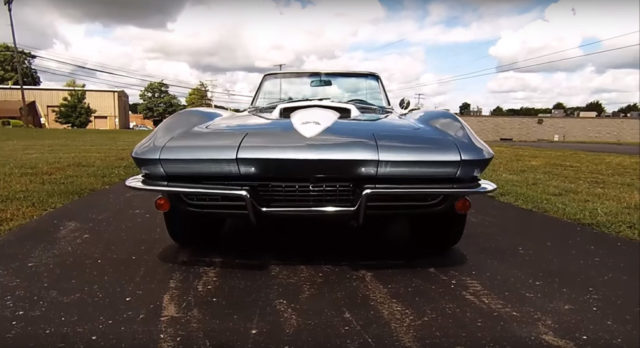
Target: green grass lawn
(42,169)
(595,189)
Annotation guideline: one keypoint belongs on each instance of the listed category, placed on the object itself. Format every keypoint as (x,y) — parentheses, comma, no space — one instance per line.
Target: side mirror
(404,103)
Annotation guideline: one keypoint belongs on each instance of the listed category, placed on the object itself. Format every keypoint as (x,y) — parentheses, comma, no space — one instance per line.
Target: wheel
(440,232)
(190,229)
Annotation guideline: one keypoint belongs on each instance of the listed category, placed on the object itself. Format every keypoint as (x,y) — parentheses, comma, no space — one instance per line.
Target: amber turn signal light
(162,204)
(462,205)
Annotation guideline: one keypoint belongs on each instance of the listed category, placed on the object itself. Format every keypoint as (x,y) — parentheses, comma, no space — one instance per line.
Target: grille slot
(212,202)
(304,195)
(389,202)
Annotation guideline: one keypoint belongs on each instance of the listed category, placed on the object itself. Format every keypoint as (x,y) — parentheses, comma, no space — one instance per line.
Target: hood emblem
(312,121)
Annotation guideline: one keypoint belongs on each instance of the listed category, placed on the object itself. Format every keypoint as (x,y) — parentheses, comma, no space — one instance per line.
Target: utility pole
(419,95)
(228,91)
(211,86)
(23,109)
(280,80)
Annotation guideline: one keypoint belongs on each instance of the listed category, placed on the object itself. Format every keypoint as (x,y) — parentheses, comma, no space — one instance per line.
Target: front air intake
(305,195)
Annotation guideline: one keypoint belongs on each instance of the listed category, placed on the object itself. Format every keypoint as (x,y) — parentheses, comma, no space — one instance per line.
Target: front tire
(440,233)
(191,229)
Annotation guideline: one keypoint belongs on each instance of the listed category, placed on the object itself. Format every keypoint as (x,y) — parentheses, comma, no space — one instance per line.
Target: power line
(130,73)
(86,63)
(125,75)
(129,76)
(84,79)
(536,57)
(513,69)
(93,79)
(124,85)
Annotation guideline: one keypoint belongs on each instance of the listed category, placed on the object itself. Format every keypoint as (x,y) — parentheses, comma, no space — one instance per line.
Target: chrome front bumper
(137,182)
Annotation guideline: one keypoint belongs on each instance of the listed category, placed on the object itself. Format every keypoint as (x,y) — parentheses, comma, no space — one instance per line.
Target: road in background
(624,149)
(101,271)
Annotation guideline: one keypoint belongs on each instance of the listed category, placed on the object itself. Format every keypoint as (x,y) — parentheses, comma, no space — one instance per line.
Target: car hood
(251,145)
(214,143)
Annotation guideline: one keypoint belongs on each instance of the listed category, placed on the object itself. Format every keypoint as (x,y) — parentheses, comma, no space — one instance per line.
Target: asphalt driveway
(101,271)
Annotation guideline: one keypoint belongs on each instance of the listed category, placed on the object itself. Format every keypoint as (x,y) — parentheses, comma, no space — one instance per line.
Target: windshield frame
(269,76)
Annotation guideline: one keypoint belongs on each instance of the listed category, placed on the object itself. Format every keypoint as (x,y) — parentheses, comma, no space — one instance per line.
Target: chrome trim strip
(485,187)
(136,182)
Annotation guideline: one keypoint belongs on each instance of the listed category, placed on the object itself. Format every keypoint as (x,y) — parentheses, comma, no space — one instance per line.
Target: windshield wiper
(284,101)
(371,106)
(274,104)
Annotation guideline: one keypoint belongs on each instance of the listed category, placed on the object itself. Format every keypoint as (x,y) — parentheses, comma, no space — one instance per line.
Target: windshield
(338,87)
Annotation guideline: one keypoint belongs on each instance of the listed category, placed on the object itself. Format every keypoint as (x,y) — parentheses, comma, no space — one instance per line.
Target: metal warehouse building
(111,105)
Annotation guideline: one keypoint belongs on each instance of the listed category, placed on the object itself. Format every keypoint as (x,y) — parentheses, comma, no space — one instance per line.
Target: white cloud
(613,87)
(395,69)
(185,41)
(568,24)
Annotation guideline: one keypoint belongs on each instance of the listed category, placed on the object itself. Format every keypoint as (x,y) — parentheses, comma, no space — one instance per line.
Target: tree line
(594,105)
(157,102)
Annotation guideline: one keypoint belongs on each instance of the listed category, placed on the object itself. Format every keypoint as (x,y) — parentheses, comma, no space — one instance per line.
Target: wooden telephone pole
(23,109)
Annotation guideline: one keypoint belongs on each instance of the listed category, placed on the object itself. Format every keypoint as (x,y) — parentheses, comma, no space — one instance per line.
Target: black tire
(191,229)
(438,233)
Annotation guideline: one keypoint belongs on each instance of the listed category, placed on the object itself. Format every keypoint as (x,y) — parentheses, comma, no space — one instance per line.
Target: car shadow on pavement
(317,243)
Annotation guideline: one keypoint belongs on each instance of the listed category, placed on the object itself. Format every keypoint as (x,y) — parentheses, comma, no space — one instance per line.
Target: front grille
(304,195)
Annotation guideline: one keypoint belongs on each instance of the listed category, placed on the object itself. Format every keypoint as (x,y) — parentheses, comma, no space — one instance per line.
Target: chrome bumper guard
(137,182)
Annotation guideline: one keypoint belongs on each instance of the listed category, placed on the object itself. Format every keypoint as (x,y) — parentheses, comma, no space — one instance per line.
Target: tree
(157,103)
(133,107)
(629,108)
(199,96)
(74,109)
(559,106)
(465,108)
(498,111)
(8,72)
(596,106)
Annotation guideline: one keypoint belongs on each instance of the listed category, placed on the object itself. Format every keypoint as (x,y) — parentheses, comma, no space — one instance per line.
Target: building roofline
(61,88)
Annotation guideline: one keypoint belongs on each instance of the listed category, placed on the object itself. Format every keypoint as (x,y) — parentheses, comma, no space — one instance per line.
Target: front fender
(475,154)
(146,154)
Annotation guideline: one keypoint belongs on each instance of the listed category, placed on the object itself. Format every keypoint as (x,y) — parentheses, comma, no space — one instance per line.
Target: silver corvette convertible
(316,144)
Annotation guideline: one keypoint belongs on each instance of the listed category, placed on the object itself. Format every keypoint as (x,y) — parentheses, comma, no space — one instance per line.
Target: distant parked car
(141,127)
(11,123)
